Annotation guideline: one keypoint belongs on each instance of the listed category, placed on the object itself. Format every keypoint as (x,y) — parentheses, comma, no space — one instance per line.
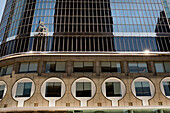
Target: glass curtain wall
(85,26)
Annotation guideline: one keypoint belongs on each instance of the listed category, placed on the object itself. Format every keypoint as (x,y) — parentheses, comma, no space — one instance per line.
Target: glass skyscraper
(85,56)
(85,26)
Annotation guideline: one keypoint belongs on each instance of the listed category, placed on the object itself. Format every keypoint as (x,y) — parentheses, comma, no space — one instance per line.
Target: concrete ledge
(67,109)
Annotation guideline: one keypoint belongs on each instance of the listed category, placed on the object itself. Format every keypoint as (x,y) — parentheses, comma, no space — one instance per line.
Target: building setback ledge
(32,54)
(129,109)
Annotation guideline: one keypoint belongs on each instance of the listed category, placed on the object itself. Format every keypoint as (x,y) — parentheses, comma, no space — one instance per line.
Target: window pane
(138,88)
(115,67)
(146,89)
(88,64)
(9,70)
(105,64)
(79,86)
(113,89)
(23,89)
(27,89)
(33,67)
(60,66)
(109,89)
(133,67)
(2,87)
(167,66)
(23,67)
(3,70)
(83,66)
(142,89)
(20,90)
(87,86)
(106,67)
(88,67)
(83,89)
(142,67)
(53,89)
(78,64)
(166,88)
(50,67)
(117,89)
(159,67)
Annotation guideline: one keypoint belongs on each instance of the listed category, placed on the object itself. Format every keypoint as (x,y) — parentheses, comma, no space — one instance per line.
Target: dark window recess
(138,67)
(2,87)
(113,89)
(142,89)
(23,89)
(166,86)
(53,89)
(6,70)
(83,66)
(110,67)
(50,67)
(83,89)
(55,67)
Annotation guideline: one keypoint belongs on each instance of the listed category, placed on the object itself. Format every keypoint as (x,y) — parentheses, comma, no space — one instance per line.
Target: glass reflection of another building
(83,16)
(162,26)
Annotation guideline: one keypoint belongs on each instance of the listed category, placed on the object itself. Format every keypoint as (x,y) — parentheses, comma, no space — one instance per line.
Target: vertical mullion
(68,42)
(93,38)
(165,43)
(90,43)
(24,41)
(20,45)
(37,44)
(132,44)
(112,45)
(7,48)
(85,43)
(81,44)
(14,47)
(54,40)
(98,43)
(107,43)
(76,43)
(102,43)
(120,44)
(58,43)
(63,43)
(72,44)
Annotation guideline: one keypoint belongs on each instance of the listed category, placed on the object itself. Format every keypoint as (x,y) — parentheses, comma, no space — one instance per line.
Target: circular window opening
(3,89)
(83,89)
(143,89)
(165,87)
(22,90)
(113,89)
(52,90)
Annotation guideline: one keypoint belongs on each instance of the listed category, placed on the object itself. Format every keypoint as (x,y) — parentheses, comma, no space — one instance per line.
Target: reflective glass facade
(85,26)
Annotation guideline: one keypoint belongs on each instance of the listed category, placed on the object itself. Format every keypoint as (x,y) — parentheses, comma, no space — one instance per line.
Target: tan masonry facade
(97,77)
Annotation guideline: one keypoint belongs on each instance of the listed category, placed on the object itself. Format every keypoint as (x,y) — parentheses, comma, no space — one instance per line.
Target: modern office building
(85,56)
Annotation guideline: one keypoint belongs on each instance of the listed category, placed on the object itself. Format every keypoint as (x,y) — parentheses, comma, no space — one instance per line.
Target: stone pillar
(152,66)
(124,66)
(149,66)
(41,67)
(69,67)
(16,67)
(97,68)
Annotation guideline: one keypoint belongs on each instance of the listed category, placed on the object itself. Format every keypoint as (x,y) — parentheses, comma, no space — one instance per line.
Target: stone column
(41,67)
(16,67)
(97,68)
(69,67)
(124,66)
(152,67)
